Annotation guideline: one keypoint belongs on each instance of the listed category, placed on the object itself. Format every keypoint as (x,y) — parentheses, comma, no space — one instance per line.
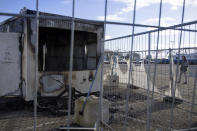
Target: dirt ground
(22,120)
(13,119)
(161,110)
(136,119)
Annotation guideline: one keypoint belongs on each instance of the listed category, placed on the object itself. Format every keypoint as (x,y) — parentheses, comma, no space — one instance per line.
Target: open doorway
(54,50)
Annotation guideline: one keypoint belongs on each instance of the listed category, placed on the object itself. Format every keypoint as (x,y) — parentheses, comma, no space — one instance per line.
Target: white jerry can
(91,111)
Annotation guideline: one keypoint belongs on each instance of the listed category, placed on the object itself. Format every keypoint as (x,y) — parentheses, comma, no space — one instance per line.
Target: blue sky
(118,10)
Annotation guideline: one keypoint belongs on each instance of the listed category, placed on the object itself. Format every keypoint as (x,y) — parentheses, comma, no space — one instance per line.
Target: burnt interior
(54,50)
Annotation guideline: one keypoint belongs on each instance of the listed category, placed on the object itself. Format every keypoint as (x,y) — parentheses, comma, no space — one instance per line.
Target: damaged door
(9,64)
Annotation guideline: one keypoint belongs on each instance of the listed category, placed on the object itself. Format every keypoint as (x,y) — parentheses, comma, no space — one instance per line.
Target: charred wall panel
(12,25)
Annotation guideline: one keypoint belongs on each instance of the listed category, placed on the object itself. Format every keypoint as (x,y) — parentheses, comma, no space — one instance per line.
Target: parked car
(121,61)
(137,62)
(106,60)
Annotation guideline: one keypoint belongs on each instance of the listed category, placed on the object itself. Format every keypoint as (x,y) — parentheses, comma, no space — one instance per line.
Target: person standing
(183,69)
(114,60)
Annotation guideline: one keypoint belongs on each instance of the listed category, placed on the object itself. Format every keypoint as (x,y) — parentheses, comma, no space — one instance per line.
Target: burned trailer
(17,55)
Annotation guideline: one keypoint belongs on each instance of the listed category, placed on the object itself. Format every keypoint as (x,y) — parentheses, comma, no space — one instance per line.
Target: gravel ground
(136,119)
(160,116)
(160,113)
(22,120)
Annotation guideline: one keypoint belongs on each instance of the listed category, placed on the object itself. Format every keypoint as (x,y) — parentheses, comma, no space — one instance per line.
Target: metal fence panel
(139,75)
(144,104)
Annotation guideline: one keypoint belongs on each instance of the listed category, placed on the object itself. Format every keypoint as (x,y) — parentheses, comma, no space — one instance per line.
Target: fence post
(130,67)
(71,62)
(100,117)
(36,65)
(148,84)
(177,66)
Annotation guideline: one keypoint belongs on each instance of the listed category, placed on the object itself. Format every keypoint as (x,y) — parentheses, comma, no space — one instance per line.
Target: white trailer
(17,55)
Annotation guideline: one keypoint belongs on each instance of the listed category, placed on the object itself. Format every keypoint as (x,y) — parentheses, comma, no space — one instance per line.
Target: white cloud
(145,3)
(66,2)
(114,17)
(175,4)
(165,21)
(108,37)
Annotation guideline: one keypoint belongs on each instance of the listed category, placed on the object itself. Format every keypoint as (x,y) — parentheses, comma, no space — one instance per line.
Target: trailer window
(54,50)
